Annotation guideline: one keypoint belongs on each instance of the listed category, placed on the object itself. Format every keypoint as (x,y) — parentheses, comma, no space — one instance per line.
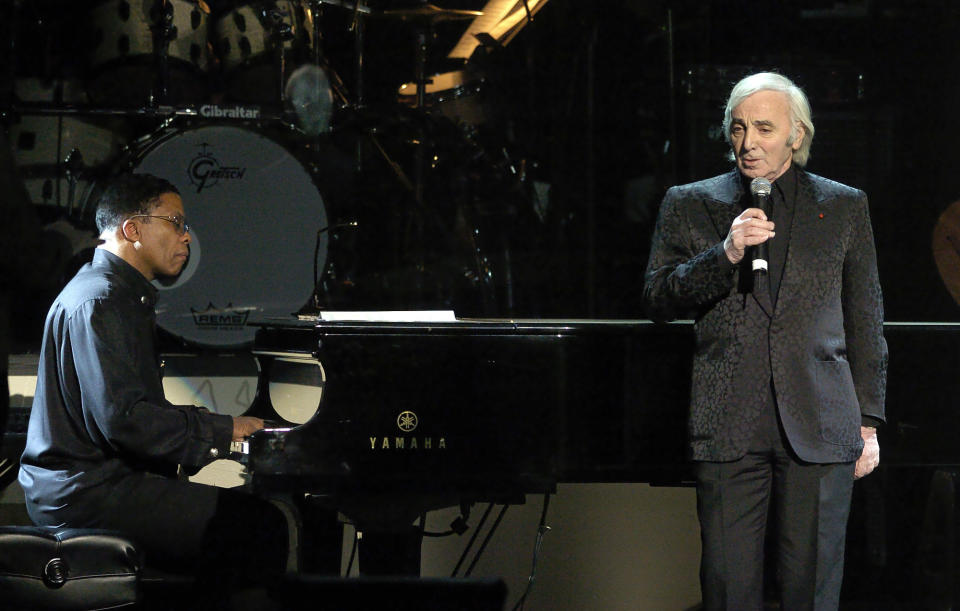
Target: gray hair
(799,108)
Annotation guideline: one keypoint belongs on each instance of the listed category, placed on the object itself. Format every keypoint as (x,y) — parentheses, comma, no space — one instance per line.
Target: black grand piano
(416,416)
(481,406)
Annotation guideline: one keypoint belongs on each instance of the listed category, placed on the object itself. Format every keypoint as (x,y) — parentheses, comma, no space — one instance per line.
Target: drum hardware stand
(424,29)
(336,83)
(359,28)
(422,80)
(73,168)
(414,227)
(280,33)
(165,112)
(163,33)
(315,297)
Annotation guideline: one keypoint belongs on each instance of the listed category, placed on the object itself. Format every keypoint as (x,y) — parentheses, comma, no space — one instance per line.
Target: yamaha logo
(407,421)
(205,170)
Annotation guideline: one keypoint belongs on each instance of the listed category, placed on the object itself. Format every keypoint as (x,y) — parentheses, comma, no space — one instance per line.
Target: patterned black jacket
(822,344)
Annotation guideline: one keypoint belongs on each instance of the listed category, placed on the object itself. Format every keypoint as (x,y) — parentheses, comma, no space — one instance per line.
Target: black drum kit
(301,197)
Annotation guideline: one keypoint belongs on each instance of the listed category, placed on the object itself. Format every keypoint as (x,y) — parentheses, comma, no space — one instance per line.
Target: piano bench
(67,569)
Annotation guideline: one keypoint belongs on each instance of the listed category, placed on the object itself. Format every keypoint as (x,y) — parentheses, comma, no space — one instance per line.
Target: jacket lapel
(723,206)
(801,228)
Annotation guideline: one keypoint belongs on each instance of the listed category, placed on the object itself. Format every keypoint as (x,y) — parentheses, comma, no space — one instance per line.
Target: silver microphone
(760,189)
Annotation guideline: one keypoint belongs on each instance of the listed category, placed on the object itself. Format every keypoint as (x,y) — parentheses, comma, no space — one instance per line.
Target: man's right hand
(244,426)
(748,229)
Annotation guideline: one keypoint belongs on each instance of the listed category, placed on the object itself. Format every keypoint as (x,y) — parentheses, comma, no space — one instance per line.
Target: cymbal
(428,12)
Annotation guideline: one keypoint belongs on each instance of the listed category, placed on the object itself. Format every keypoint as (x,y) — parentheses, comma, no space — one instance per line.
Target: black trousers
(226,538)
(811,503)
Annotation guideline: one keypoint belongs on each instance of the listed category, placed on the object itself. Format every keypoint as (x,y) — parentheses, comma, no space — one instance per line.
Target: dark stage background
(533,189)
(588,115)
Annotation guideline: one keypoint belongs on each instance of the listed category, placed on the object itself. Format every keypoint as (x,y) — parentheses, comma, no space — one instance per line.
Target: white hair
(799,108)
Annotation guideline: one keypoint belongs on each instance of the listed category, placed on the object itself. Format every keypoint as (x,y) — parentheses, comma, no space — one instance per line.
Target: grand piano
(534,401)
(415,416)
(530,403)
(480,407)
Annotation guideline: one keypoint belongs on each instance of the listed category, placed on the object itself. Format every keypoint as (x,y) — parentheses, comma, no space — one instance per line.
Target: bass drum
(255,215)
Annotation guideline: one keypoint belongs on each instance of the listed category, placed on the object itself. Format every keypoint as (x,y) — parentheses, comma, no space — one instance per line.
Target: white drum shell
(42,143)
(124,57)
(242,37)
(123,30)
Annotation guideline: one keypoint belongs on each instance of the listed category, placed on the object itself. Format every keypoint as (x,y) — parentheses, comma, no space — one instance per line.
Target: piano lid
(465,326)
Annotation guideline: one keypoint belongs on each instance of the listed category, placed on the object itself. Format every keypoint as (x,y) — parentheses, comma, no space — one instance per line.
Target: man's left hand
(870,457)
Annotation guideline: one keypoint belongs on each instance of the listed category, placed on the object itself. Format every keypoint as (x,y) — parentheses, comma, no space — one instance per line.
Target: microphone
(760,188)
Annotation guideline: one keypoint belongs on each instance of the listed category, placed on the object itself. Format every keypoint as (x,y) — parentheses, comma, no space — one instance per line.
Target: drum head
(254,213)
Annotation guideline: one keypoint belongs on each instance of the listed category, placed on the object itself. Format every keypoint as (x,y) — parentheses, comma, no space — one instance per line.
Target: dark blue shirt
(99,413)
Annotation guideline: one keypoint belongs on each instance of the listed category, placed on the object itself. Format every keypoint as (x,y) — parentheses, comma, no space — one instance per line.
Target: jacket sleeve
(682,278)
(863,315)
(123,408)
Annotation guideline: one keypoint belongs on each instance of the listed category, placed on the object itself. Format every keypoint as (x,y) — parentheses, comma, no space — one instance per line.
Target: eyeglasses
(180,221)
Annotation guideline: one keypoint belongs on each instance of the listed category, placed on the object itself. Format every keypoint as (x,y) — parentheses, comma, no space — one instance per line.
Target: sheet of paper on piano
(388,316)
(501,19)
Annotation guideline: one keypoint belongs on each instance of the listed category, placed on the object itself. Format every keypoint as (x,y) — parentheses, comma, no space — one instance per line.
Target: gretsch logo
(205,170)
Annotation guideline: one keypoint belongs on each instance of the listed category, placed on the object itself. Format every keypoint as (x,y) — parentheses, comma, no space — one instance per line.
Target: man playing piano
(103,444)
(789,369)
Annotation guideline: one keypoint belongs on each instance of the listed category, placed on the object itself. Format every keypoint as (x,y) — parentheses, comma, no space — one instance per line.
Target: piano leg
(319,536)
(391,552)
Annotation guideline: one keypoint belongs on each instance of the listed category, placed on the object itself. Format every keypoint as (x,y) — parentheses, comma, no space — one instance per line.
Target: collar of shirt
(784,187)
(128,274)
